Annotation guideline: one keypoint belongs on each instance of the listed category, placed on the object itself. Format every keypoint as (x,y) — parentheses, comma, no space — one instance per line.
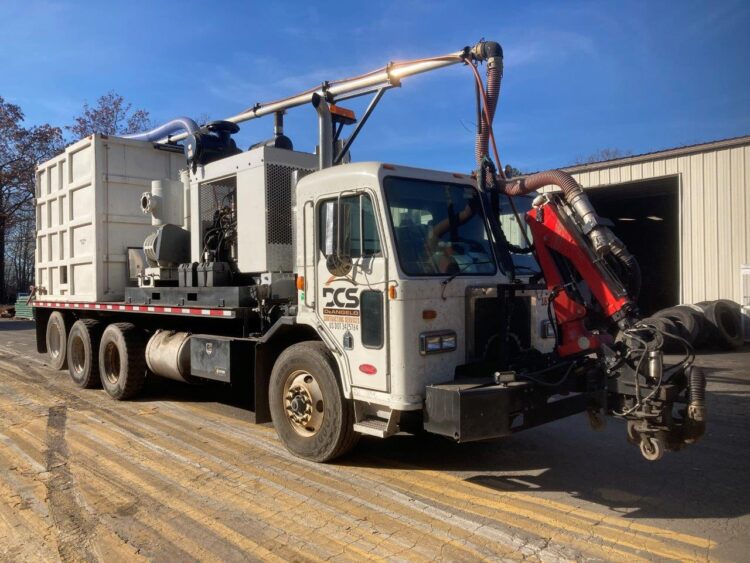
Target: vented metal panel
(212,196)
(215,195)
(279,202)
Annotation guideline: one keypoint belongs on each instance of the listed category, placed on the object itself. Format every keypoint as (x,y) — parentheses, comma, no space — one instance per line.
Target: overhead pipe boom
(388,76)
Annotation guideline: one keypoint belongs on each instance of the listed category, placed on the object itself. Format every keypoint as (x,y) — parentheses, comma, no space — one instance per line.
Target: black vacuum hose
(695,425)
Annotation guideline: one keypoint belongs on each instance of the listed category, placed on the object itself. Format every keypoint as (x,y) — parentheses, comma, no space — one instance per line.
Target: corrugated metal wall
(714,211)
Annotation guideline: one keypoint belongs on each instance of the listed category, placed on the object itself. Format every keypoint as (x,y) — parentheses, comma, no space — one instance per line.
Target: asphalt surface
(184,474)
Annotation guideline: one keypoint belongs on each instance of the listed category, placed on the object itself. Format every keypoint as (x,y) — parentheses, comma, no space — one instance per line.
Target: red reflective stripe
(204,312)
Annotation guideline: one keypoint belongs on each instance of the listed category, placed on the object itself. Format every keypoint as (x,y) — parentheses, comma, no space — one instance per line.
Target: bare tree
(601,155)
(20,244)
(112,115)
(21,148)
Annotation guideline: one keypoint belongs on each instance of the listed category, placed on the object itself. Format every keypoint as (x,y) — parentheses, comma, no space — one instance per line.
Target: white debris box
(88,214)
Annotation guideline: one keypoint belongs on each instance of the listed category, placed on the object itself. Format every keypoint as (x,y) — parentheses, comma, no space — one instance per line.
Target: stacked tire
(715,324)
(723,323)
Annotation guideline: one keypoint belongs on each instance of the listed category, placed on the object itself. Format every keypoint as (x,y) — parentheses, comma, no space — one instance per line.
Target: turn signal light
(301,283)
(342,115)
(392,292)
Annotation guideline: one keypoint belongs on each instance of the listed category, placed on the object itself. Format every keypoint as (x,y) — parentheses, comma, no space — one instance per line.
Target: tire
(725,321)
(83,353)
(122,360)
(669,329)
(705,334)
(662,324)
(688,321)
(57,340)
(311,416)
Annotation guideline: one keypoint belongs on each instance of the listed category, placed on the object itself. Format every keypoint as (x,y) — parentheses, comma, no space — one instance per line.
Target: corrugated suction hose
(695,425)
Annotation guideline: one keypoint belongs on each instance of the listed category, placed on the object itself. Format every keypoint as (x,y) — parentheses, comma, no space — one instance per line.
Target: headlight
(449,342)
(435,342)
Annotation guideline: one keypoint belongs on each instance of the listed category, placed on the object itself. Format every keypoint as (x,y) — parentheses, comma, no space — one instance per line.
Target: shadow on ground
(707,480)
(13,324)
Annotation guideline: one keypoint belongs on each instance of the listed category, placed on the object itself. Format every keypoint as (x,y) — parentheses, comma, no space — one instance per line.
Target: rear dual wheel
(83,353)
(122,360)
(56,338)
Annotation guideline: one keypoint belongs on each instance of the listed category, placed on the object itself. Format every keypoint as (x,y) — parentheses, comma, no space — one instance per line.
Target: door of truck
(352,307)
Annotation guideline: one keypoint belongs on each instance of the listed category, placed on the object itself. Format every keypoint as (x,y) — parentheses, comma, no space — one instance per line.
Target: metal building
(684,213)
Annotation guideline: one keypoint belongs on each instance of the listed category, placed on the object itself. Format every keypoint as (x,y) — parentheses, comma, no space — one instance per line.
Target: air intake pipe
(325,129)
(162,132)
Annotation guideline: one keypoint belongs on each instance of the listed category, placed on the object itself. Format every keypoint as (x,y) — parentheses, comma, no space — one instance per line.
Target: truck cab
(398,274)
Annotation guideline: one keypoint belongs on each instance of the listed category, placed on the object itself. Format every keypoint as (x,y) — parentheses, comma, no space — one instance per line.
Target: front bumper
(480,409)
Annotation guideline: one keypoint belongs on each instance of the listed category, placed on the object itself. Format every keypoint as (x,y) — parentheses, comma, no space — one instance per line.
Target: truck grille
(489,313)
(496,324)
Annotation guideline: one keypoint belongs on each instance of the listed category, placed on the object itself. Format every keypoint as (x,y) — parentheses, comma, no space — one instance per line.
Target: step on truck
(348,299)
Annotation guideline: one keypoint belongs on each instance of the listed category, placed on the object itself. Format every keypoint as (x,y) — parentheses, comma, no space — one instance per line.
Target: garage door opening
(646,218)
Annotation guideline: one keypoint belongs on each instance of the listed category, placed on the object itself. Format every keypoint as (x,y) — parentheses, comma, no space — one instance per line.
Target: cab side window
(358,211)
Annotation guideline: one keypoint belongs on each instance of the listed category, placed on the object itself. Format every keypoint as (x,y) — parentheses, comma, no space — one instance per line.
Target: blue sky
(579,76)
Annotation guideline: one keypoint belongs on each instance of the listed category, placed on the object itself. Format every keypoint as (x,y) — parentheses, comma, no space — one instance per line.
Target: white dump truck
(349,298)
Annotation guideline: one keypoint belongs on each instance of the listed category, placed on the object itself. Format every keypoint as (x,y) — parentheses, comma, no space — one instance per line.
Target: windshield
(439,228)
(525,264)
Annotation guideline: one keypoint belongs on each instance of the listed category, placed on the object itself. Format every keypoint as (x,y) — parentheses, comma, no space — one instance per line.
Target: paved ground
(183,474)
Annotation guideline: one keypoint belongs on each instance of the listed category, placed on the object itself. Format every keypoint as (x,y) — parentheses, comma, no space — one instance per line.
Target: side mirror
(338,239)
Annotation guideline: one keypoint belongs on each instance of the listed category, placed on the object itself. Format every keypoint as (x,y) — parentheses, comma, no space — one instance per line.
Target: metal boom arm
(385,77)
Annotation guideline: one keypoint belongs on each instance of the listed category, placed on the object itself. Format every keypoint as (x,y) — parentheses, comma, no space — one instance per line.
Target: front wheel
(308,409)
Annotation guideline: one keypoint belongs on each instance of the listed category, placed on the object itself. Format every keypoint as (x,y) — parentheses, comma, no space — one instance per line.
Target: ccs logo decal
(346,297)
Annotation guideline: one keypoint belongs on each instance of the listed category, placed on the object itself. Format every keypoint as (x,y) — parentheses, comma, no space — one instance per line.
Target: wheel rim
(55,341)
(111,362)
(651,448)
(77,355)
(303,403)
